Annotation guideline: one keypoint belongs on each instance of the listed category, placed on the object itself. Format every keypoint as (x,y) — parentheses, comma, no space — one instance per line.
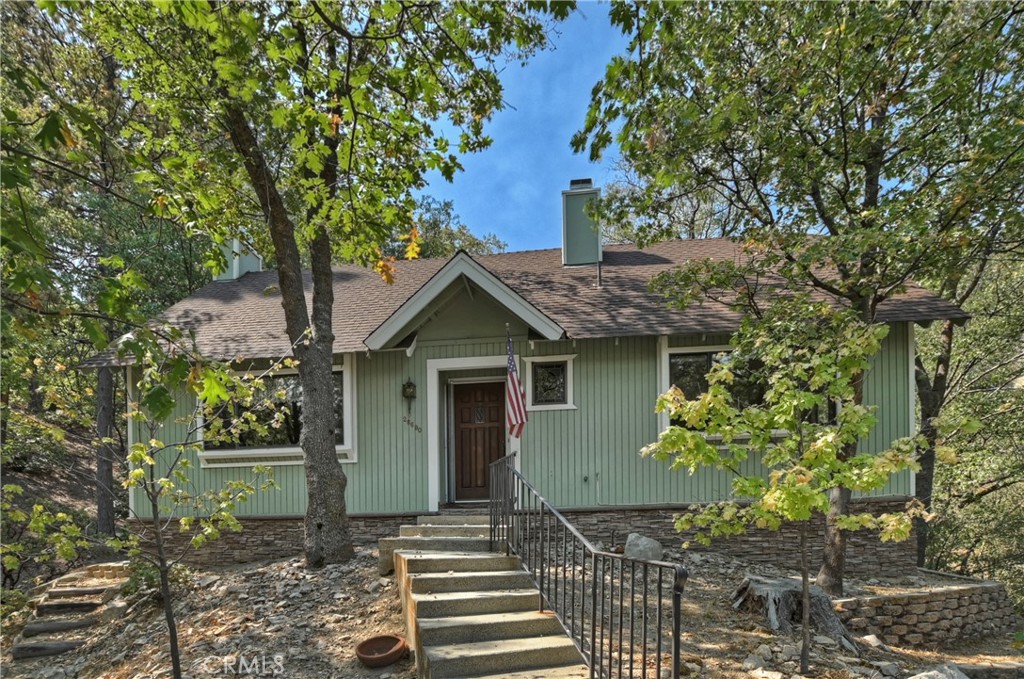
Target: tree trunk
(923,489)
(781,600)
(35,397)
(328,537)
(104,451)
(165,581)
(833,566)
(805,619)
(931,394)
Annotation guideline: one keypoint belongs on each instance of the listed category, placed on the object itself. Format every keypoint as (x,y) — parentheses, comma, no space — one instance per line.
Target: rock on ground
(640,547)
(941,672)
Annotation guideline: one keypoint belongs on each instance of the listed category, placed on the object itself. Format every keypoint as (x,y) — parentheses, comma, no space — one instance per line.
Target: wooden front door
(479,435)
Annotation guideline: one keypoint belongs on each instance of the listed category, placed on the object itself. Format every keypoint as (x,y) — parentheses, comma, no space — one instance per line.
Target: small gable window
(549,383)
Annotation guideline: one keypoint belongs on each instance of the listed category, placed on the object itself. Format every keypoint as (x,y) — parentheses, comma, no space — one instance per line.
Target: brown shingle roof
(244,317)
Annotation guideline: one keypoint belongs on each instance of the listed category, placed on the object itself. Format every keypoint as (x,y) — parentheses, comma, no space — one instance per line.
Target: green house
(421,367)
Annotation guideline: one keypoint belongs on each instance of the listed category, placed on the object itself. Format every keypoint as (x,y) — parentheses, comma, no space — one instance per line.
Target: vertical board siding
(587,457)
(888,386)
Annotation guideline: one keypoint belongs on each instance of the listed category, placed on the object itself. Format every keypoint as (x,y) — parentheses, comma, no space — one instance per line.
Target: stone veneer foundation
(974,608)
(280,537)
(263,539)
(866,555)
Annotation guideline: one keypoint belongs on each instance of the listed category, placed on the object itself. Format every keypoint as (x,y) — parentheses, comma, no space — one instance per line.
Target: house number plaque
(406,420)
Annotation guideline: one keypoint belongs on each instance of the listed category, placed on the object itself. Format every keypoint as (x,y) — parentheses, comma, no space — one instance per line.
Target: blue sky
(513,188)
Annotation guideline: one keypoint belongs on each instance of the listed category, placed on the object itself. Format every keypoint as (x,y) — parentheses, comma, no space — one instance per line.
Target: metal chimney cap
(575,184)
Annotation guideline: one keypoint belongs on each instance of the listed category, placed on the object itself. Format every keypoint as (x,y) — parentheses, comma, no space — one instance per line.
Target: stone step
(446,531)
(462,562)
(61,606)
(388,546)
(500,657)
(39,649)
(454,520)
(567,672)
(465,628)
(74,592)
(475,603)
(37,627)
(423,583)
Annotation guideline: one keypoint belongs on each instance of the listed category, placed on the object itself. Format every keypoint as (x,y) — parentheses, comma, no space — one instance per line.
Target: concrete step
(388,546)
(461,629)
(39,649)
(445,604)
(61,606)
(461,562)
(75,592)
(446,531)
(567,672)
(49,626)
(423,583)
(454,520)
(500,657)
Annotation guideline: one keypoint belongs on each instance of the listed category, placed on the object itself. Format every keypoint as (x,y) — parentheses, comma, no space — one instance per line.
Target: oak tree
(854,147)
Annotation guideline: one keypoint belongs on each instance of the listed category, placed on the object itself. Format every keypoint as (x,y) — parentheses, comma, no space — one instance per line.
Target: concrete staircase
(470,612)
(68,607)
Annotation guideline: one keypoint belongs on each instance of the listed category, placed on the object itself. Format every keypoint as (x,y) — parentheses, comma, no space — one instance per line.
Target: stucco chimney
(581,237)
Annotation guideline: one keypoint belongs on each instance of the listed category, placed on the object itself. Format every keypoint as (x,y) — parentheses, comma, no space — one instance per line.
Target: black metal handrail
(594,594)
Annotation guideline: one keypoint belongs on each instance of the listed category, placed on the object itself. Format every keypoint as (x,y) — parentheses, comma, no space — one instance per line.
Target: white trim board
(436,426)
(129,433)
(462,265)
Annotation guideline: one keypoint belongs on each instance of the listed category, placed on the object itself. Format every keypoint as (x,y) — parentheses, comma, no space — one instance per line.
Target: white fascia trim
(462,265)
(436,424)
(570,403)
(129,432)
(348,448)
(912,354)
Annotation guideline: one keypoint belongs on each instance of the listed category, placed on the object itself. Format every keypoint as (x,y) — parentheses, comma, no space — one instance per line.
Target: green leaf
(159,402)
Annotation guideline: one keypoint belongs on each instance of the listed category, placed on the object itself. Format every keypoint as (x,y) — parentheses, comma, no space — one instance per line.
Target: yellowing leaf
(385,268)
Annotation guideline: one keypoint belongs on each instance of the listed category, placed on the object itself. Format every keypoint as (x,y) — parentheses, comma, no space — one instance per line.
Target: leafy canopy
(893,128)
(807,357)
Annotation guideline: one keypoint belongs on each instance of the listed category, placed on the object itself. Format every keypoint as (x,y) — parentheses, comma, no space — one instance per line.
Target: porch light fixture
(409,393)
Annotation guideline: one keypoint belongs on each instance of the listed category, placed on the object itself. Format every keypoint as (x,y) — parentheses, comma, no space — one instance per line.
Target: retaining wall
(975,608)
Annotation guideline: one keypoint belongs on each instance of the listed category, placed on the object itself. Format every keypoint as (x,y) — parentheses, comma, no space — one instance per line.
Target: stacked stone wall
(866,555)
(263,539)
(976,608)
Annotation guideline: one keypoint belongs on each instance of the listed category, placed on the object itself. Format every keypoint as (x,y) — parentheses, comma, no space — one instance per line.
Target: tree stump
(781,601)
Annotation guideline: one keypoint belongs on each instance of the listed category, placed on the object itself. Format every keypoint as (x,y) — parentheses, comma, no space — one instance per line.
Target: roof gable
(388,333)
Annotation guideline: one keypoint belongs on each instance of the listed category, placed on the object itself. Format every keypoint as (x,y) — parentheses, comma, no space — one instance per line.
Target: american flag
(516,397)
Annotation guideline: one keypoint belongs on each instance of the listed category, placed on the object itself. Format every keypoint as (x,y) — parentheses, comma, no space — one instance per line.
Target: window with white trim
(549,383)
(278,407)
(688,369)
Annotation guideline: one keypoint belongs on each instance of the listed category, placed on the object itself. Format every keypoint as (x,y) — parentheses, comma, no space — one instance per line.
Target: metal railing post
(677,599)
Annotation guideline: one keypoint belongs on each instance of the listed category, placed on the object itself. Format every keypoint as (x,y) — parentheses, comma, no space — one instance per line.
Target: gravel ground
(290,622)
